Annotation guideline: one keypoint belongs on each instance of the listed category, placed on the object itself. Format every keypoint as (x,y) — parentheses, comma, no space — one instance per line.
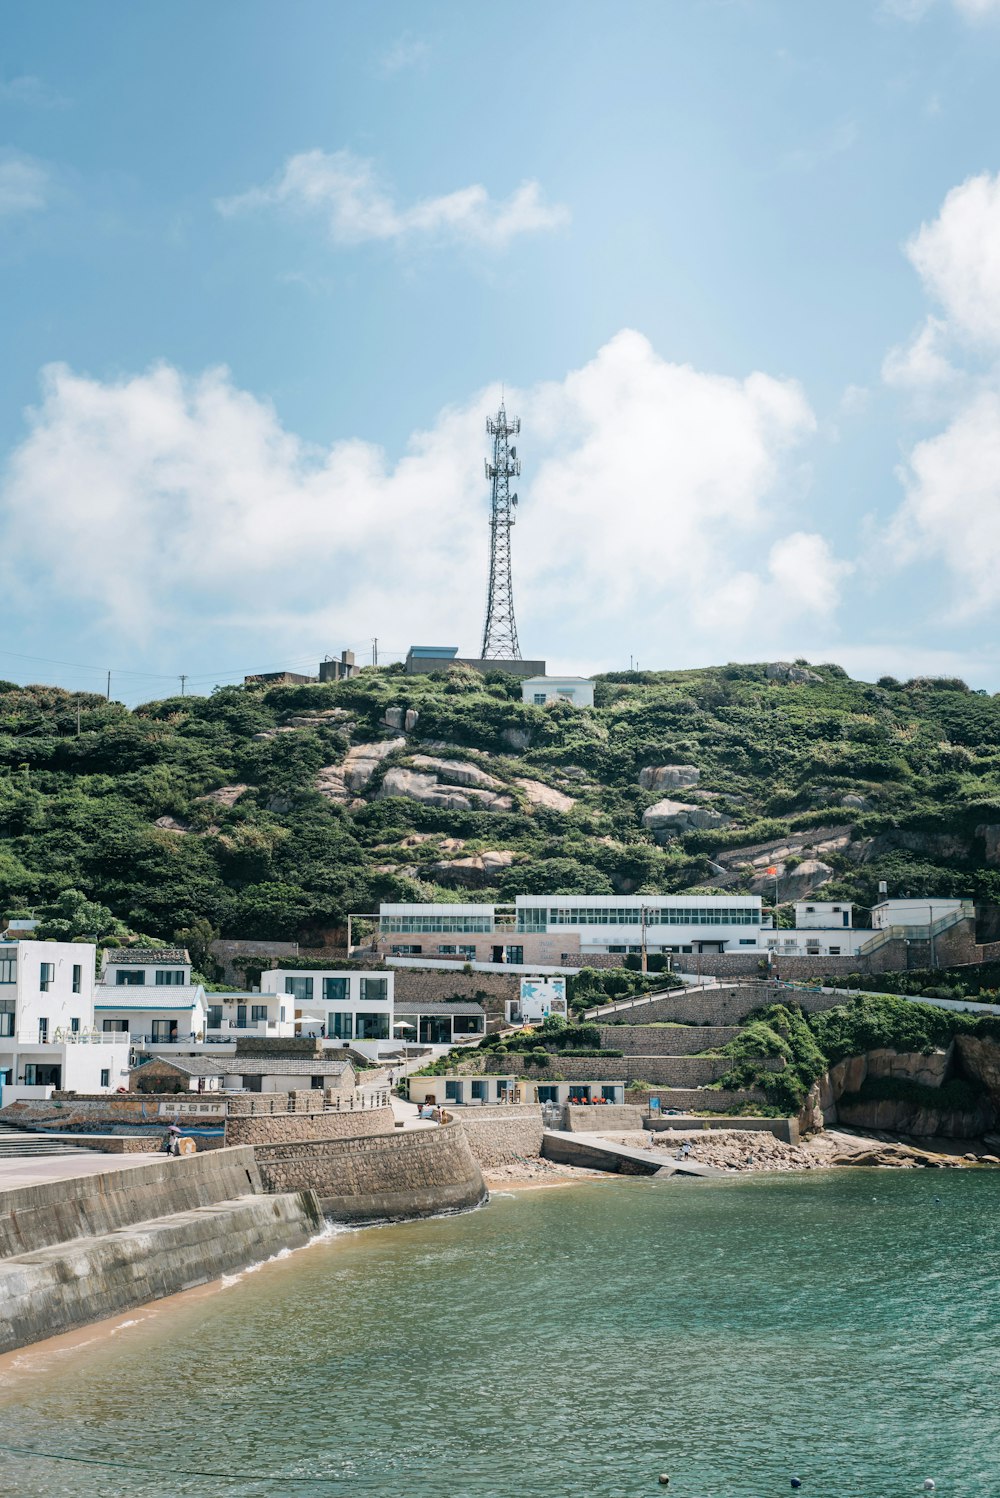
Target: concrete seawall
(385,1177)
(70,1284)
(35,1217)
(80,1249)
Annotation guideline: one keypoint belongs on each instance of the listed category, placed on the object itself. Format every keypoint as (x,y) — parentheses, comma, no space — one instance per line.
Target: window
(316,1083)
(539,699)
(299,988)
(74,1026)
(479,1092)
(130,977)
(46,975)
(374,990)
(408,950)
(38,1075)
(514,954)
(548,1094)
(8,970)
(258,1012)
(435,1029)
(6,1017)
(467,1024)
(115,1027)
(164,1029)
(169,976)
(43,1031)
(77,976)
(339,1026)
(424,925)
(372,1027)
(281,1014)
(608,1093)
(241,1016)
(105,1076)
(215,1016)
(453,1092)
(337,990)
(834,951)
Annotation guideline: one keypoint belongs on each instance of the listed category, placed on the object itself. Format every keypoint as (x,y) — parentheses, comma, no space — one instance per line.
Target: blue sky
(263,269)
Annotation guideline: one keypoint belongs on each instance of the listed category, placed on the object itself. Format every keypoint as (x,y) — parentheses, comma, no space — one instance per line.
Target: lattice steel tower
(500,630)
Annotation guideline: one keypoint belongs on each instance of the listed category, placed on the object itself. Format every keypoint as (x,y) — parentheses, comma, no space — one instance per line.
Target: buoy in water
(796,1482)
(664,1480)
(929,1484)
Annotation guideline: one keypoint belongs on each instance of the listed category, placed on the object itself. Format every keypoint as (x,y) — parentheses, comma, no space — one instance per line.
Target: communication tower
(500,630)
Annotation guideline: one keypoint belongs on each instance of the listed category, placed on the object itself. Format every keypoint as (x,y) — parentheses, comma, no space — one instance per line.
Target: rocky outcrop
(544,795)
(516,738)
(171,824)
(341,782)
(980,1060)
(681,816)
(786,671)
(929,1068)
(990,834)
(854,802)
(457,772)
(668,777)
(431,792)
(226,795)
(899,1116)
(475,872)
(404,718)
(795,883)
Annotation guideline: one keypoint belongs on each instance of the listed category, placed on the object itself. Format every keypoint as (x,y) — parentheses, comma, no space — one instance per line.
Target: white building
(663,923)
(355,1008)
(578,691)
(147,994)
(47,1037)
(917,912)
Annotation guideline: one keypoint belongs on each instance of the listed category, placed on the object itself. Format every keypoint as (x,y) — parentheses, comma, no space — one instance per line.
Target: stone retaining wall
(696,1099)
(727,1006)
(506,1138)
(389,1177)
(611,1117)
(282,1128)
(666,1040)
(668,1071)
(422,985)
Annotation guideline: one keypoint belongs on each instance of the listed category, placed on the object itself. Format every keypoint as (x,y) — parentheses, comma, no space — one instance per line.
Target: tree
(73,915)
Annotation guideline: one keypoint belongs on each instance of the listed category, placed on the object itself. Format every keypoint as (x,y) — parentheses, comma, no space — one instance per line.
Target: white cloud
(31,92)
(406,51)
(958,258)
(915,10)
(951,513)
(343,189)
(920,364)
(24,184)
(652,485)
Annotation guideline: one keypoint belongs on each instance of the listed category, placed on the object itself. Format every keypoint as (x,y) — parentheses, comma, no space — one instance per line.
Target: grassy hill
(274,819)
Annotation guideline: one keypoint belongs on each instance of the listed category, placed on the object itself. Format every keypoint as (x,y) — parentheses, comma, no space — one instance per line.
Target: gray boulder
(680,816)
(668,777)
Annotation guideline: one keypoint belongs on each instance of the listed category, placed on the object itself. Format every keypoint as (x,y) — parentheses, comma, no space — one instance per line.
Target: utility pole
(109,686)
(375,650)
(183,681)
(78,720)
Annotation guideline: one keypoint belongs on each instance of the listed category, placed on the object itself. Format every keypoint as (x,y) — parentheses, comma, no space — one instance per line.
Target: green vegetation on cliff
(282,852)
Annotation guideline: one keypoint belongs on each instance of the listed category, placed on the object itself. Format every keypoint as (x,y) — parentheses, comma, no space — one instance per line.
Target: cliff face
(893,1091)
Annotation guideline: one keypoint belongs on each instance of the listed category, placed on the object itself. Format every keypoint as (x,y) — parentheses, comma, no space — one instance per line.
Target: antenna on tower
(500,629)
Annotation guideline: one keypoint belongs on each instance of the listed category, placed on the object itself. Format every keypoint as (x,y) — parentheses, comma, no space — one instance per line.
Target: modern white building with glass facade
(355,1008)
(535,926)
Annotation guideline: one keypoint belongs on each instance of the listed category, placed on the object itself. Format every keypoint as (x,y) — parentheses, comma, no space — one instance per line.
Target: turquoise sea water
(842,1326)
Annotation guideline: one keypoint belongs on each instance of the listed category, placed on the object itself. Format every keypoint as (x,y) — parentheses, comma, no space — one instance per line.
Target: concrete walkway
(598,1153)
(38,1169)
(408,1114)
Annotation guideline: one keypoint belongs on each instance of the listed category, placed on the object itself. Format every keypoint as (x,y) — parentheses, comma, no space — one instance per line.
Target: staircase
(16,1144)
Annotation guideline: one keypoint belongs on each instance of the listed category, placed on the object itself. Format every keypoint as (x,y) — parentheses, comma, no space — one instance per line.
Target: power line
(96,1461)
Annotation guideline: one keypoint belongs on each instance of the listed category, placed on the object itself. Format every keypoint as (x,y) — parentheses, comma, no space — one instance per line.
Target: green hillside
(918,764)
